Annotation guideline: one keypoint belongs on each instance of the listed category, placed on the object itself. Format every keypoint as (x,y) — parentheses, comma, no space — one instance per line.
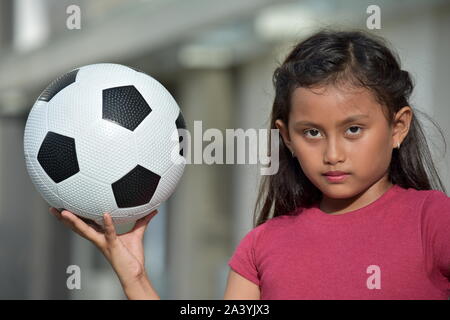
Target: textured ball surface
(104,138)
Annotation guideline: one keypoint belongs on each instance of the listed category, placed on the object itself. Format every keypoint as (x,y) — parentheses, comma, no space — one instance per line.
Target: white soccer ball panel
(35,129)
(153,137)
(87,197)
(106,151)
(106,75)
(71,113)
(169,182)
(121,216)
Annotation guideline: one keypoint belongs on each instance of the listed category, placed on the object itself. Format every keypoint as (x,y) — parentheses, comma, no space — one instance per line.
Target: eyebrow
(347,120)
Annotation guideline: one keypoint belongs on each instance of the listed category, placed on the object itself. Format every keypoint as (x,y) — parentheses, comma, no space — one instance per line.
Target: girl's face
(331,129)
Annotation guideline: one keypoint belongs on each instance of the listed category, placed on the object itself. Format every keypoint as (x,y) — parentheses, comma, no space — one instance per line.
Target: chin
(338,191)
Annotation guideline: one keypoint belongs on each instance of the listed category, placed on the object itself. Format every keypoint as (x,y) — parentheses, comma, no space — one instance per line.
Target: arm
(435,232)
(239,288)
(140,289)
(124,252)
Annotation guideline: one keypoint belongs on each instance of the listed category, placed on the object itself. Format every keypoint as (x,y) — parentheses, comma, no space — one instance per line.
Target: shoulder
(433,206)
(435,229)
(436,202)
(425,199)
(272,227)
(271,224)
(430,199)
(281,221)
(263,236)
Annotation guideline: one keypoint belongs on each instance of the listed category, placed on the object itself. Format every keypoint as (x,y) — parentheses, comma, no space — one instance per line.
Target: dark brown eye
(314,134)
(355,131)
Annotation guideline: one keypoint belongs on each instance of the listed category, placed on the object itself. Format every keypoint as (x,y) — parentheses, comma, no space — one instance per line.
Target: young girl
(353,212)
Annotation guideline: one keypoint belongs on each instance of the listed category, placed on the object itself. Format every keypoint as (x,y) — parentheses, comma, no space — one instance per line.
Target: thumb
(110,230)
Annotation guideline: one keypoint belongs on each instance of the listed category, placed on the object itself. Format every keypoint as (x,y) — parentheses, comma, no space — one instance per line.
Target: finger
(59,216)
(55,212)
(93,224)
(142,223)
(110,230)
(68,218)
(79,226)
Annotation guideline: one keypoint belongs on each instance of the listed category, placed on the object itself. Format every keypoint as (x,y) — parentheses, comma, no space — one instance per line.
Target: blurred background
(217,59)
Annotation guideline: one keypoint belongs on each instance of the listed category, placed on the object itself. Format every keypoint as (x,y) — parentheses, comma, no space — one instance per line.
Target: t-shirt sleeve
(243,259)
(435,228)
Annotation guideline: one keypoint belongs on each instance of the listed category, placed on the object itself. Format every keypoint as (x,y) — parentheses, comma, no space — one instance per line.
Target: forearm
(139,288)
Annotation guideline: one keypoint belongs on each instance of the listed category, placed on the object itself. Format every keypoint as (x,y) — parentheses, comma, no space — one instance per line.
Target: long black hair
(343,57)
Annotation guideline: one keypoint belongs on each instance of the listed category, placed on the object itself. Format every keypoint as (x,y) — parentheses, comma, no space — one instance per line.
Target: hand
(125,252)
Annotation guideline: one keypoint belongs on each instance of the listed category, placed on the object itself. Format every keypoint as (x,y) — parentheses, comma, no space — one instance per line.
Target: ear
(284,133)
(402,123)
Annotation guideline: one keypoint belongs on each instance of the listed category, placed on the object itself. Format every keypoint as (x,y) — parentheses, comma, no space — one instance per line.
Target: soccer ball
(105,138)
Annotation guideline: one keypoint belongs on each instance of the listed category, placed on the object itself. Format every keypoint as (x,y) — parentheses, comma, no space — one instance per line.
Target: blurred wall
(217,59)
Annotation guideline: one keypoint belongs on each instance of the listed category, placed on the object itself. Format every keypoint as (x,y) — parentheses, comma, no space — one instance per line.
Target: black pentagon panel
(180,122)
(57,85)
(180,125)
(136,188)
(125,106)
(58,157)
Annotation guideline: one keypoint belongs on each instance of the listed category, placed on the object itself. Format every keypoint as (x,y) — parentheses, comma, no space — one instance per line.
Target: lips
(335,173)
(333,178)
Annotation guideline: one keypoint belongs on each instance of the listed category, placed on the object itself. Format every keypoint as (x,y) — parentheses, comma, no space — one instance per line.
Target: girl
(352,212)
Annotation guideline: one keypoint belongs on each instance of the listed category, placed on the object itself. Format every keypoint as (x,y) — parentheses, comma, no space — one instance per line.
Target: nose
(334,151)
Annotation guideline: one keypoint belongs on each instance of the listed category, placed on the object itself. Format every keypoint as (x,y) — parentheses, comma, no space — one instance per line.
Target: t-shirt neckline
(358,214)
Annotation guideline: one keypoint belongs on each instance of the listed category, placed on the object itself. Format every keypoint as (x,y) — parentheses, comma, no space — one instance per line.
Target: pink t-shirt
(397,247)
